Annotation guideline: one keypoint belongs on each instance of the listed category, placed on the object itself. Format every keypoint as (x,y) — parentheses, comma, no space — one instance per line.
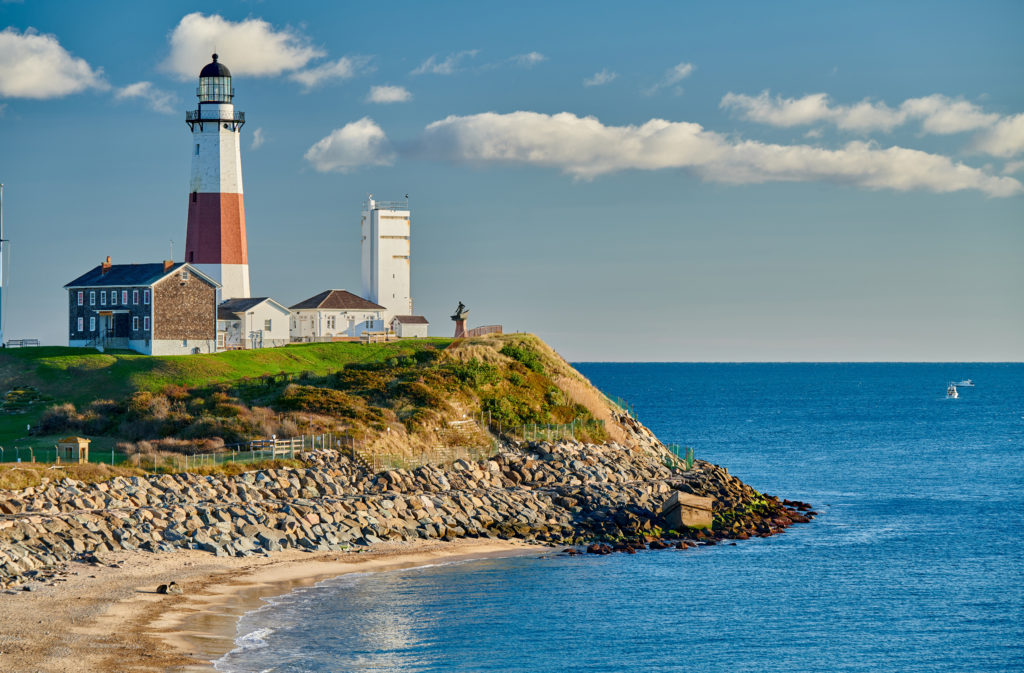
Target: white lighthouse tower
(215,242)
(385,244)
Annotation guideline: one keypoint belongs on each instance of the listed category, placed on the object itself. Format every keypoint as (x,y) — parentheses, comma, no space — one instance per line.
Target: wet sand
(111,619)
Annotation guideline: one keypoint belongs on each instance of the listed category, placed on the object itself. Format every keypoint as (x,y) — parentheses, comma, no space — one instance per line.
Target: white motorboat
(951,393)
(966,383)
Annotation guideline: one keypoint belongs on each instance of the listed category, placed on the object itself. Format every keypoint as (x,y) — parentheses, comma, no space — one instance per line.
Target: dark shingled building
(166,308)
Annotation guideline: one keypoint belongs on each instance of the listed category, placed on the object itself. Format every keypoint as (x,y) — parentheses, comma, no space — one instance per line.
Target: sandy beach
(102,618)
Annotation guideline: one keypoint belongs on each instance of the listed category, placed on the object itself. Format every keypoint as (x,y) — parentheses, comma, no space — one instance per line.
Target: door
(122,325)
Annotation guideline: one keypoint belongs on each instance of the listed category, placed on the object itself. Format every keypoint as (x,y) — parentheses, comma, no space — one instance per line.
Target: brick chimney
(106,266)
(168,263)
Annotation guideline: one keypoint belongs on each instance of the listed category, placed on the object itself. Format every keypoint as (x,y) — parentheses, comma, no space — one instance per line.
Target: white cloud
(600,78)
(811,109)
(251,47)
(37,66)
(156,99)
(451,63)
(257,139)
(673,76)
(937,113)
(585,148)
(388,94)
(344,68)
(1004,139)
(360,143)
(528,60)
(942,115)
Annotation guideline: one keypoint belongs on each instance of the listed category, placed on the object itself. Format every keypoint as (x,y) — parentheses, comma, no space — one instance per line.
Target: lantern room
(215,83)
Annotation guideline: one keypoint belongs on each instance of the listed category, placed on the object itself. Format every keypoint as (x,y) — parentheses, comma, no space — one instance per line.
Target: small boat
(966,383)
(951,393)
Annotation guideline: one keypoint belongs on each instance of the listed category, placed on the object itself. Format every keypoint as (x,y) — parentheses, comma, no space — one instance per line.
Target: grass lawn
(81,375)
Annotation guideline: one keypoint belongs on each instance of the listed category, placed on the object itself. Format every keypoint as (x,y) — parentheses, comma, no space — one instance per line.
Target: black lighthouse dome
(215,69)
(215,83)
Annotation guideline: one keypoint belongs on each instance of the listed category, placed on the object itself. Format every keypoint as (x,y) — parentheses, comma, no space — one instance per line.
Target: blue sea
(916,562)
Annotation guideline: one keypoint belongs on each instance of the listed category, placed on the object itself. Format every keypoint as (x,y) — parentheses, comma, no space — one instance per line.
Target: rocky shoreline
(563,493)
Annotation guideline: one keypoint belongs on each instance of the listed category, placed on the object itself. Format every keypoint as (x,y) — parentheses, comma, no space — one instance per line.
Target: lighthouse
(215,241)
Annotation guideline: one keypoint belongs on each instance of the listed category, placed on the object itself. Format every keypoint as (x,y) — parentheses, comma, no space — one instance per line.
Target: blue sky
(642,181)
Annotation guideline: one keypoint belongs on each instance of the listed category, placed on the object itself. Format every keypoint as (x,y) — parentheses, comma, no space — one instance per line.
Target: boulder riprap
(562,492)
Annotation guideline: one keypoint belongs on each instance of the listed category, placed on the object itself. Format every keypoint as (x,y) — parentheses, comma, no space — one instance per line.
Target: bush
(525,355)
(476,373)
(60,418)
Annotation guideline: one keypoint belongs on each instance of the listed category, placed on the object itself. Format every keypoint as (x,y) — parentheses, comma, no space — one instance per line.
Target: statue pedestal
(460,328)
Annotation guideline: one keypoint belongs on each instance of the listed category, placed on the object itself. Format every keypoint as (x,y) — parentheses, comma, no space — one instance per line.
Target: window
(184,274)
(145,298)
(92,324)
(369,324)
(195,197)
(113,297)
(135,323)
(124,297)
(220,340)
(267,325)
(92,297)
(103,298)
(81,324)
(330,322)
(197,150)
(145,323)
(81,297)
(135,297)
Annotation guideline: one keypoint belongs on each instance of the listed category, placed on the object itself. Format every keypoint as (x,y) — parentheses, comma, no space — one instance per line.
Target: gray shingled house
(167,308)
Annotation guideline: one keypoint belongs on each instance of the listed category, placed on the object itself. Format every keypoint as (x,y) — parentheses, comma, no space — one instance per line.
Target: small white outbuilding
(252,322)
(409,326)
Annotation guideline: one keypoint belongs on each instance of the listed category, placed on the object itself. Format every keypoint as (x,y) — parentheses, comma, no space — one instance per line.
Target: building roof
(231,308)
(412,320)
(125,274)
(338,299)
(215,69)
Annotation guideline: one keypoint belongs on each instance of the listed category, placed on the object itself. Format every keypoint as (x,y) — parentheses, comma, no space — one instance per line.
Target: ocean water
(915,564)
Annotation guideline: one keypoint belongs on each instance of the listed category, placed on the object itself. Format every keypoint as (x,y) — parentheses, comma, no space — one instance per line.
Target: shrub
(476,373)
(524,354)
(60,418)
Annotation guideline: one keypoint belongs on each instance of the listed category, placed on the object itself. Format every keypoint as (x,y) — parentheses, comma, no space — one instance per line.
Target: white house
(409,326)
(335,314)
(252,322)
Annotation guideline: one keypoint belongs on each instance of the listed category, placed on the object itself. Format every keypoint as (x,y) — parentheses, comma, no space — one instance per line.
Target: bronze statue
(460,312)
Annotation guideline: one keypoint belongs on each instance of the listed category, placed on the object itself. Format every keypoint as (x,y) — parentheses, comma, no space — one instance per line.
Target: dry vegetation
(409,404)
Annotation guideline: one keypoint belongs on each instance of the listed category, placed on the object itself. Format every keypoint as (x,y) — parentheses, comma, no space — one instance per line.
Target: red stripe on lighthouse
(216,229)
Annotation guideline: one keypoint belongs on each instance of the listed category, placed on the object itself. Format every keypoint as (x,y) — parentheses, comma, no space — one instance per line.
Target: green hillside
(401,398)
(54,374)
